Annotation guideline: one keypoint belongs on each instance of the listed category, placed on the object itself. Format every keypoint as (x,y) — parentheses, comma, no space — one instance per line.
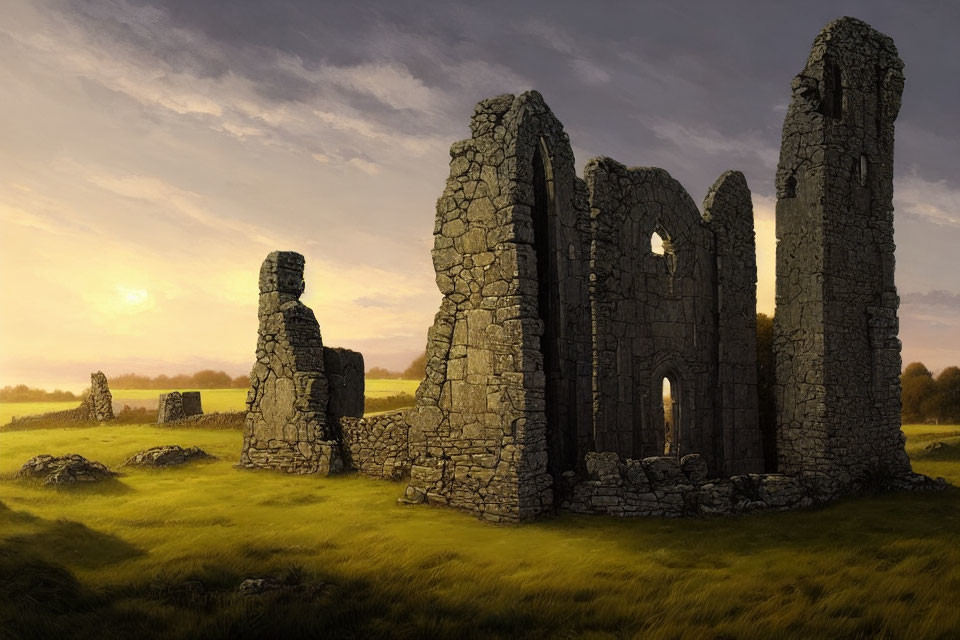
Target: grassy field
(212,399)
(160,554)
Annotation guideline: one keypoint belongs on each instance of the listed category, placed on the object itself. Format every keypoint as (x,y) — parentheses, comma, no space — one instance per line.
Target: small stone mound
(65,470)
(934,447)
(167,456)
(290,584)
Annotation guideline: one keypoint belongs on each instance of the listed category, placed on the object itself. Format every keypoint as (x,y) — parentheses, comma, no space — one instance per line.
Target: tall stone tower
(837,351)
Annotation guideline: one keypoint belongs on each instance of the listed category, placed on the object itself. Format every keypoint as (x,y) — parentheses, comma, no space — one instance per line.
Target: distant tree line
(928,398)
(416,371)
(23,393)
(206,379)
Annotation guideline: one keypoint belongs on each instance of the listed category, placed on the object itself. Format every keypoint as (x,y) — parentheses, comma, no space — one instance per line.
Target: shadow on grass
(411,600)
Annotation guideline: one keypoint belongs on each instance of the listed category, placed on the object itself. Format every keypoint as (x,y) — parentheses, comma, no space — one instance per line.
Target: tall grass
(162,553)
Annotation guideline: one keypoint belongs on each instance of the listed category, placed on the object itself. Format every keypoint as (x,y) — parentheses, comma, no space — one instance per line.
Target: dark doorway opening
(559,403)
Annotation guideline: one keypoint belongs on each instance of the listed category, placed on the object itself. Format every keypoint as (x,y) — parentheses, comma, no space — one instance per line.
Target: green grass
(159,554)
(380,388)
(212,399)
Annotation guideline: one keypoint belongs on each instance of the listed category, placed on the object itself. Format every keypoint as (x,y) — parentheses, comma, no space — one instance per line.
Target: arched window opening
(863,170)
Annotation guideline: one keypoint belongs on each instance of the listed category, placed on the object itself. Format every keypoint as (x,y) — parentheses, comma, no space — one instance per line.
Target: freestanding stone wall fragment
(345,383)
(286,427)
(505,406)
(170,407)
(728,212)
(177,405)
(98,404)
(191,403)
(837,352)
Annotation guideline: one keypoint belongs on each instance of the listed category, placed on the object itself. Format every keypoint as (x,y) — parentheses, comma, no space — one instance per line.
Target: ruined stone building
(568,302)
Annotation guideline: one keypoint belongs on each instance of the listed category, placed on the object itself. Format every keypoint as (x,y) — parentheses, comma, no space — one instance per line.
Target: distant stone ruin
(96,406)
(293,407)
(571,305)
(177,405)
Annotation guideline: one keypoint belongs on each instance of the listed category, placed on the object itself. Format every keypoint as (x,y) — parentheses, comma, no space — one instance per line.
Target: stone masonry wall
(176,405)
(728,212)
(505,404)
(345,383)
(838,356)
(286,427)
(653,315)
(687,315)
(377,445)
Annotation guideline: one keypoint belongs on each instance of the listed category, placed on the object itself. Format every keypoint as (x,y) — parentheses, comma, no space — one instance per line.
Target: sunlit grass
(212,399)
(884,566)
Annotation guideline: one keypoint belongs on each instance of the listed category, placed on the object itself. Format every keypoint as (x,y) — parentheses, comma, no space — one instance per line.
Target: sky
(153,153)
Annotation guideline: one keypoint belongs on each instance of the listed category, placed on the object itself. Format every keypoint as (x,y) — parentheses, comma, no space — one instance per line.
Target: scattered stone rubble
(167,456)
(178,405)
(64,470)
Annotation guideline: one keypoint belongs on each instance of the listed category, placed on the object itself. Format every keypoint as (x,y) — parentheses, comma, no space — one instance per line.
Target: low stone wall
(377,445)
(666,487)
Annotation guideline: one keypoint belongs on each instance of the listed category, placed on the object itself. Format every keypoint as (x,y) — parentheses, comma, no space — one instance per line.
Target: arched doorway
(671,416)
(559,405)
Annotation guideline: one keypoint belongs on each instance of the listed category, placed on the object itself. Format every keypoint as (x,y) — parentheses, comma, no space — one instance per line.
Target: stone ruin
(561,319)
(96,406)
(299,388)
(178,405)
(835,331)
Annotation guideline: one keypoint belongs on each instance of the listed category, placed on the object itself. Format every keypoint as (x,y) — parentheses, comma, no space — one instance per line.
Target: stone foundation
(666,487)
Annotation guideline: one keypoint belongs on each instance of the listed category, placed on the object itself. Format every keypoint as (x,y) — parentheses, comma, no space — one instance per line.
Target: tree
(210,379)
(917,392)
(382,374)
(417,369)
(945,403)
(766,377)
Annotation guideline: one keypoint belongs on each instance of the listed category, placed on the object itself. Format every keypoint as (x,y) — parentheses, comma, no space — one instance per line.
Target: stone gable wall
(653,315)
(479,431)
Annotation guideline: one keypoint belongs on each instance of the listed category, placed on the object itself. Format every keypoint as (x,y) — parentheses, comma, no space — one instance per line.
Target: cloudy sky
(152,153)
